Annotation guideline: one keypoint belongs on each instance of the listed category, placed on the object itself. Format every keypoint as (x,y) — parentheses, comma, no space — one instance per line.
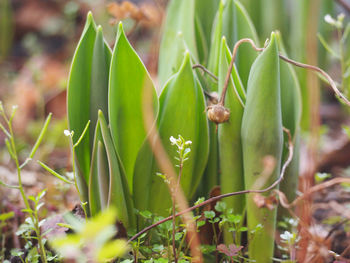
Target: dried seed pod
(218,113)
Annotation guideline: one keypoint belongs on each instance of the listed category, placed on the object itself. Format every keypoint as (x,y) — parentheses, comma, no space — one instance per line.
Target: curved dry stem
(234,55)
(322,72)
(293,62)
(205,70)
(217,198)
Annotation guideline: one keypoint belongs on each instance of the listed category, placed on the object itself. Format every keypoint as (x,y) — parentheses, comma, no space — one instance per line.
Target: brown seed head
(218,113)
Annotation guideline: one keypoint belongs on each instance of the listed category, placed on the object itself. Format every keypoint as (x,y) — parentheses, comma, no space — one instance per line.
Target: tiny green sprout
(337,23)
(163,176)
(199,201)
(320,177)
(183,148)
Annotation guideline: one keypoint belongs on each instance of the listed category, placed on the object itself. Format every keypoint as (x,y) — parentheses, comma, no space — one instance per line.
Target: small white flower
(287,236)
(67,133)
(188,143)
(172,140)
(330,20)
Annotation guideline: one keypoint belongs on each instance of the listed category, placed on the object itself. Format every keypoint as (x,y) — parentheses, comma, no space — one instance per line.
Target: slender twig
(234,54)
(323,73)
(216,198)
(8,185)
(205,70)
(295,63)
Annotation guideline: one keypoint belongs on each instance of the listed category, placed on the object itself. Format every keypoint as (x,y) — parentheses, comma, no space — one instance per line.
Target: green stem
(40,241)
(342,62)
(21,189)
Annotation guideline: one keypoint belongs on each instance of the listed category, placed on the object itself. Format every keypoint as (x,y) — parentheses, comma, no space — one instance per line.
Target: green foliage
(181,111)
(291,119)
(180,18)
(115,165)
(262,136)
(88,84)
(128,82)
(32,222)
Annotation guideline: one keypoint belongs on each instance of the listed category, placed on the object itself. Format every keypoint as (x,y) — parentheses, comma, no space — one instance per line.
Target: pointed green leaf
(291,117)
(262,136)
(229,137)
(99,175)
(233,22)
(205,14)
(119,194)
(79,91)
(128,80)
(87,92)
(246,55)
(180,18)
(229,134)
(99,79)
(181,112)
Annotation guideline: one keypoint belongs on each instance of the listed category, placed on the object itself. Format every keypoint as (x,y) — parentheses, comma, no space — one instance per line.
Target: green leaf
(262,136)
(209,214)
(233,22)
(99,175)
(57,175)
(86,94)
(40,137)
(119,195)
(181,112)
(205,12)
(128,80)
(79,83)
(111,250)
(6,216)
(291,118)
(229,134)
(180,18)
(101,60)
(246,55)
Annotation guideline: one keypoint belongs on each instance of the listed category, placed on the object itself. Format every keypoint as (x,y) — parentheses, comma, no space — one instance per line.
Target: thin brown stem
(234,54)
(295,63)
(216,198)
(205,70)
(323,73)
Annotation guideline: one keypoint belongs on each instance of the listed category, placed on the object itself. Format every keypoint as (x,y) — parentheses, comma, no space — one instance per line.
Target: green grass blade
(78,100)
(57,175)
(41,136)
